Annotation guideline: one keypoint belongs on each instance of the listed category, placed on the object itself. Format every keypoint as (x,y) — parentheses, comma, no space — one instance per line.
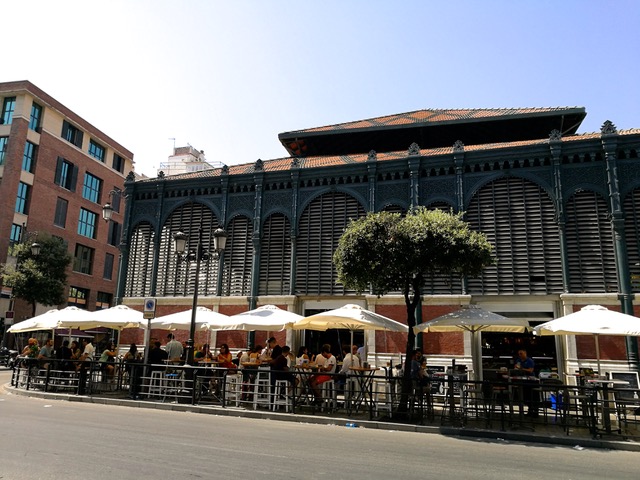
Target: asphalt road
(50,439)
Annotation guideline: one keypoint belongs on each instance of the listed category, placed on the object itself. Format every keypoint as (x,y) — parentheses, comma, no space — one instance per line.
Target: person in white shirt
(173,348)
(326,365)
(266,351)
(350,360)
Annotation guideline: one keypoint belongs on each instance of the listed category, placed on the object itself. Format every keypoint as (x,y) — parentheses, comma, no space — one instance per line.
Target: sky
(228,76)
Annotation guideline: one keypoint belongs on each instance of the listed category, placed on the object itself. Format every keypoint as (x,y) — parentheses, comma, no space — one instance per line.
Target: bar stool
(233,388)
(262,388)
(329,395)
(383,395)
(281,396)
(156,383)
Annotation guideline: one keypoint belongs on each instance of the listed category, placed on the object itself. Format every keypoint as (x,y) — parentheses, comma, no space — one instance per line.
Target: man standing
(173,348)
(88,349)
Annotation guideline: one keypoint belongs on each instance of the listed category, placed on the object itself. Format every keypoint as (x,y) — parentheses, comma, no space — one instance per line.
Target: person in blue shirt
(524,363)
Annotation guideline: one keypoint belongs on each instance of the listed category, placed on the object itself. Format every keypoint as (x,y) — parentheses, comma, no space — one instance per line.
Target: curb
(564,440)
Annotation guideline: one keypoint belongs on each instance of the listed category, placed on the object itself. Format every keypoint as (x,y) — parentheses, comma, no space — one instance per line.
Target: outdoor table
(305,371)
(607,397)
(364,393)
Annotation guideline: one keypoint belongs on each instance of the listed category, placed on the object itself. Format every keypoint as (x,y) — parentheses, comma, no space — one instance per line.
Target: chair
(579,407)
(383,395)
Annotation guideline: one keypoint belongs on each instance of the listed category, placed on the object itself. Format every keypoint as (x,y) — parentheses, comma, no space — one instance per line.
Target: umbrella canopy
(351,317)
(52,319)
(473,319)
(265,318)
(593,320)
(205,317)
(117,318)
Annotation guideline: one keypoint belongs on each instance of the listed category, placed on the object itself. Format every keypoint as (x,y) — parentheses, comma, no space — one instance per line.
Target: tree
(38,278)
(386,252)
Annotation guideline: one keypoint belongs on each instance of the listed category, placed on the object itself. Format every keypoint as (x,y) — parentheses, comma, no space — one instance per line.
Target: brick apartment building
(56,172)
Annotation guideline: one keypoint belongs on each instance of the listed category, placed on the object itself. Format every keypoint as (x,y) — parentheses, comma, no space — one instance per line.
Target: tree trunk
(411,296)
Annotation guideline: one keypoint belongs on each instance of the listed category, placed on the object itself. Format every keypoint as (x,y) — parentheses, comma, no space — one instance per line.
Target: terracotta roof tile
(431,116)
(282,164)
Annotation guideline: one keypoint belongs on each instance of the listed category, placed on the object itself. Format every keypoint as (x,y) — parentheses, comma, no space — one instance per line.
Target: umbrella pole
(597,340)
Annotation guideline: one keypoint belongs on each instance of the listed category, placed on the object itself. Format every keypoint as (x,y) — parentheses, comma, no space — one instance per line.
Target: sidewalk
(548,434)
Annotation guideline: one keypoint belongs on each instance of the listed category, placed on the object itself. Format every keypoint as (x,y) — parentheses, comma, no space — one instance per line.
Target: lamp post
(180,240)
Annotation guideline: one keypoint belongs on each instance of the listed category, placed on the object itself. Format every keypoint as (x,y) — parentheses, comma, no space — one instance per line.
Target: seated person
(107,360)
(526,365)
(418,370)
(225,359)
(279,366)
(349,359)
(157,357)
(63,355)
(203,354)
(326,364)
(303,356)
(46,353)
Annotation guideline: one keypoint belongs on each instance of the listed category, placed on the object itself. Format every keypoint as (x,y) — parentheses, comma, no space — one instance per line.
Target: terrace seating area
(596,407)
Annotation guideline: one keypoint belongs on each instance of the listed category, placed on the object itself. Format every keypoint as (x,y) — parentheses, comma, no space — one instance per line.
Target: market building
(56,172)
(559,207)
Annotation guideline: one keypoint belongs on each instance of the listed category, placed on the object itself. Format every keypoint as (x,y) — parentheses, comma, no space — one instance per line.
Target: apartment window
(115,231)
(83,259)
(78,297)
(8,106)
(103,300)
(3,148)
(22,199)
(66,174)
(96,150)
(16,234)
(60,219)
(87,223)
(91,188)
(72,134)
(29,157)
(36,116)
(108,266)
(118,163)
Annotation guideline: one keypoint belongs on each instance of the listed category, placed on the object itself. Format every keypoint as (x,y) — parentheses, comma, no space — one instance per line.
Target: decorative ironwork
(259,165)
(372,157)
(458,146)
(608,128)
(555,135)
(414,149)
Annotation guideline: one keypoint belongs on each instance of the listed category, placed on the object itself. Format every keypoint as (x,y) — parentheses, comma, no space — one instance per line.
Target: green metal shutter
(140,261)
(275,256)
(238,256)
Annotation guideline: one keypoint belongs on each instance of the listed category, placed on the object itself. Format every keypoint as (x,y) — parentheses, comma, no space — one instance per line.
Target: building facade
(560,209)
(56,172)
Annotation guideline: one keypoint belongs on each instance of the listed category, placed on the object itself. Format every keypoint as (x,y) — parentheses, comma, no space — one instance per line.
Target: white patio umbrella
(117,318)
(473,319)
(51,319)
(265,318)
(351,317)
(182,320)
(593,320)
(45,321)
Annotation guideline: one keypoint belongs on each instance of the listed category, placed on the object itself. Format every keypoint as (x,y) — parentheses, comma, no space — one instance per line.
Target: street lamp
(107,209)
(180,241)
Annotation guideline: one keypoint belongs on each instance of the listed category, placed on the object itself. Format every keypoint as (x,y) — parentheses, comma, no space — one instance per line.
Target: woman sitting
(107,360)
(225,359)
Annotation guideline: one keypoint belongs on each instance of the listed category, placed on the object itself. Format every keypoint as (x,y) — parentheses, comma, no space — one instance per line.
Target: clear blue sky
(228,76)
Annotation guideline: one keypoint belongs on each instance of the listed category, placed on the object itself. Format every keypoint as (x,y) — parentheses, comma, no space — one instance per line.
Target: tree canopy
(385,252)
(38,278)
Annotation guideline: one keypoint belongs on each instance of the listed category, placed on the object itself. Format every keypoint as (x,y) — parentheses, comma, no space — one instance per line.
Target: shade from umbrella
(52,319)
(593,320)
(351,317)
(473,319)
(182,320)
(265,318)
(117,318)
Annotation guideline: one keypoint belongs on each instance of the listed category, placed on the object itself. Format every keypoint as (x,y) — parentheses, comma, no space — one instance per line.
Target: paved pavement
(549,434)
